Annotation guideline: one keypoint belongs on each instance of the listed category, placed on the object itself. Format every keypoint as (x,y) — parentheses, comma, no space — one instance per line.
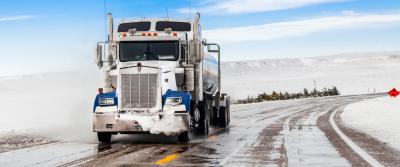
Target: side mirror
(213,48)
(99,55)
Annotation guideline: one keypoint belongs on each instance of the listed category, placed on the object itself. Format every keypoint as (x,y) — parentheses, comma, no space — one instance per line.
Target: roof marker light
(123,35)
(175,34)
(155,34)
(143,34)
(149,34)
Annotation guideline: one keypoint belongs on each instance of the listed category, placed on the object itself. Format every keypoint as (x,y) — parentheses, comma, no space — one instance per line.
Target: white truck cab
(158,74)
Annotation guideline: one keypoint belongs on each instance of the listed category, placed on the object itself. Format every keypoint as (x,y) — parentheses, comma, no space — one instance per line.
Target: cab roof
(154,24)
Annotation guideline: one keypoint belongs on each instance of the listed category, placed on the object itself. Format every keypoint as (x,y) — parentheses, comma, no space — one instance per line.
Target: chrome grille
(138,90)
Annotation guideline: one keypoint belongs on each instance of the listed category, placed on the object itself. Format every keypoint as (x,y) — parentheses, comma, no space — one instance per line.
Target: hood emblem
(139,65)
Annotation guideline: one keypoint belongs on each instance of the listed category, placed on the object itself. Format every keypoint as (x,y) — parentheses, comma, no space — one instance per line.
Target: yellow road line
(173,156)
(167,159)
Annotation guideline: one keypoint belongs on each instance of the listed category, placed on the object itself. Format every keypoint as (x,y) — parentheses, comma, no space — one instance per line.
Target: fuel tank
(210,74)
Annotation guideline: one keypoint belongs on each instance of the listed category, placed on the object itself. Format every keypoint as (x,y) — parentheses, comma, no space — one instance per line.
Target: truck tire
(229,114)
(104,137)
(223,117)
(228,109)
(204,123)
(184,137)
(214,117)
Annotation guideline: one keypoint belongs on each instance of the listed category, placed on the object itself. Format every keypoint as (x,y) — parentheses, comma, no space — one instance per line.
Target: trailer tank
(210,74)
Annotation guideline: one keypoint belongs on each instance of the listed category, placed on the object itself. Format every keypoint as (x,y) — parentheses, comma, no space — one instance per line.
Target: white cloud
(288,29)
(348,12)
(14,18)
(252,6)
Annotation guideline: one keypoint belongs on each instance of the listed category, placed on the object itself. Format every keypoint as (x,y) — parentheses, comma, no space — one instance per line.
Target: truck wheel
(229,115)
(184,137)
(204,123)
(214,116)
(104,137)
(228,109)
(223,117)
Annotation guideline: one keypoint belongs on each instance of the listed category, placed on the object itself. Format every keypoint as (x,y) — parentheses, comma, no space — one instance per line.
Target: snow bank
(12,141)
(379,118)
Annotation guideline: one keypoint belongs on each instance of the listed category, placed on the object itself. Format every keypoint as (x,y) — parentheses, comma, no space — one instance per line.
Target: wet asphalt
(280,133)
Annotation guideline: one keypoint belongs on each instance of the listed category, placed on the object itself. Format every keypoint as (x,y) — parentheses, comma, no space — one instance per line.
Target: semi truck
(160,77)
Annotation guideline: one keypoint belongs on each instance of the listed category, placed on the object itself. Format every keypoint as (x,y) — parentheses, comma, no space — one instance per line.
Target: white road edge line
(362,153)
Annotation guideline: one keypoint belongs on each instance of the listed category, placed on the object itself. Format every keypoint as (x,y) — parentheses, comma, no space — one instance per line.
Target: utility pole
(315,85)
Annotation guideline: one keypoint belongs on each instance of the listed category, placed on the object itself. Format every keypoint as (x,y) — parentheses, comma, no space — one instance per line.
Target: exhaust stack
(110,28)
(110,57)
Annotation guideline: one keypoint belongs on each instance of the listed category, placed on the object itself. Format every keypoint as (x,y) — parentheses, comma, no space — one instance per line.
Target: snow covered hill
(351,73)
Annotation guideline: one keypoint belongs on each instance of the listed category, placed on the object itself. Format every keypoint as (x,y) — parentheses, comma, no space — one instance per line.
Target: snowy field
(59,105)
(350,73)
(379,118)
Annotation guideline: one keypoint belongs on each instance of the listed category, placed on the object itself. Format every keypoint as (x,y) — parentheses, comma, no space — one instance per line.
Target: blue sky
(48,35)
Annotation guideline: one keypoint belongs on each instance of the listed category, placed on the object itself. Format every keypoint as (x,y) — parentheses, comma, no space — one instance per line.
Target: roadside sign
(393,92)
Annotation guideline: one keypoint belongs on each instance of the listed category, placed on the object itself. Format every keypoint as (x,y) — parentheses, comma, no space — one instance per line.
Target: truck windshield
(149,50)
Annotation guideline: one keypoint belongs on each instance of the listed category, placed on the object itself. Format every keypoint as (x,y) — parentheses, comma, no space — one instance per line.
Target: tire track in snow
(306,144)
(381,151)
(358,150)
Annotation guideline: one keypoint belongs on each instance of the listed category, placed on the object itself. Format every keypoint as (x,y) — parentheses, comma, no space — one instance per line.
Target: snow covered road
(281,133)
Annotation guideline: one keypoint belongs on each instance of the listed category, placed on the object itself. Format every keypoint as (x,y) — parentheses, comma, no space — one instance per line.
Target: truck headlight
(174,104)
(173,101)
(106,101)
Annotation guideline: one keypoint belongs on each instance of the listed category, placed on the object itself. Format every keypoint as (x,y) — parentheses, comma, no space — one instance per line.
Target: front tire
(184,137)
(104,137)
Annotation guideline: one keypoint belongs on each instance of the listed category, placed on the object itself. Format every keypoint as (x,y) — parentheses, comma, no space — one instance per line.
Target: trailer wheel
(223,117)
(104,137)
(204,123)
(214,116)
(184,137)
(228,107)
